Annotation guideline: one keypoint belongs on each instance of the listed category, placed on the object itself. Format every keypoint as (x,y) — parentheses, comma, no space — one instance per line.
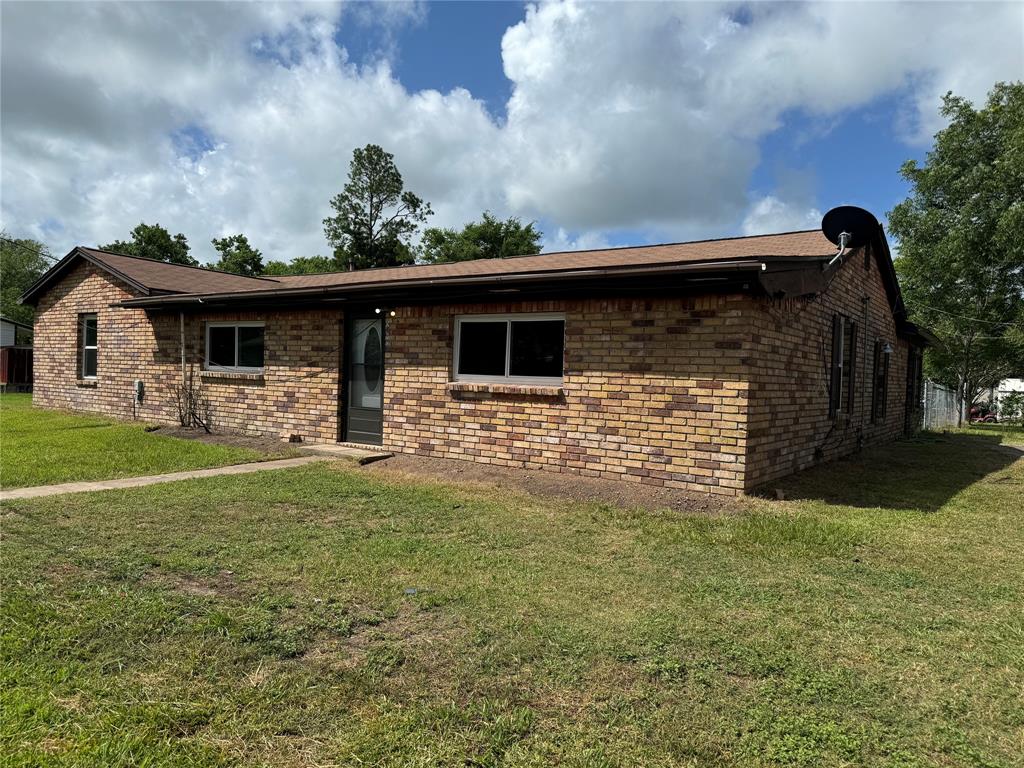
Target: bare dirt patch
(420,635)
(268,446)
(626,495)
(222,584)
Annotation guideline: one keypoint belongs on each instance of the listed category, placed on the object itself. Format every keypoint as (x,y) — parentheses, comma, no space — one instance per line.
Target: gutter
(757,265)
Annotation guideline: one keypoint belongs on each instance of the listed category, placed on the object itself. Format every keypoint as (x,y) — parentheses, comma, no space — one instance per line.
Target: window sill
(535,390)
(86,382)
(232,376)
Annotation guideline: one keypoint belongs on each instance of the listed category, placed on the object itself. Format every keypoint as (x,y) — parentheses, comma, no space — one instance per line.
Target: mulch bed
(562,485)
(624,494)
(268,446)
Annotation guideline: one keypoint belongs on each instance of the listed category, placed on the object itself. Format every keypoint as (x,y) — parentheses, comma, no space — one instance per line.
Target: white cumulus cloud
(770,214)
(645,118)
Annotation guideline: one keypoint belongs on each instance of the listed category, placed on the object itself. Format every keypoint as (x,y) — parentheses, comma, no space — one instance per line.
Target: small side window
(88,344)
(844,362)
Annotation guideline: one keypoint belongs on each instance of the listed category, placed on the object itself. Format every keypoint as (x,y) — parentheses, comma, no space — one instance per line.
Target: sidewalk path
(136,482)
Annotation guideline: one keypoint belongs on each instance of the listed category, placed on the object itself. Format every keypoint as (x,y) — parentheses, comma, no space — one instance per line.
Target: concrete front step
(343,451)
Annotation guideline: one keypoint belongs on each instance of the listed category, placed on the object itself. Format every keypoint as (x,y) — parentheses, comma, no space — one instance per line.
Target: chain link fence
(940,406)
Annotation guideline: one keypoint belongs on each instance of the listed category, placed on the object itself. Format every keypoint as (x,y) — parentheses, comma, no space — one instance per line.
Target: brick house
(711,366)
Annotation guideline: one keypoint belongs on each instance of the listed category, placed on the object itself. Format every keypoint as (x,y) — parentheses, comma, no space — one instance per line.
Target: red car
(982,415)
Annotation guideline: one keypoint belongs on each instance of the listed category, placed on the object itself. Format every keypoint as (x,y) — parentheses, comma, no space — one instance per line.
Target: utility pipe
(181,326)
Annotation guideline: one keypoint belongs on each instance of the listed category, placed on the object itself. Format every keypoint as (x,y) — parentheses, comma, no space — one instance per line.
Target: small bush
(1011,408)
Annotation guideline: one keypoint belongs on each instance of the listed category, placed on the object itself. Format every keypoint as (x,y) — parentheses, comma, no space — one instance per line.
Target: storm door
(364,344)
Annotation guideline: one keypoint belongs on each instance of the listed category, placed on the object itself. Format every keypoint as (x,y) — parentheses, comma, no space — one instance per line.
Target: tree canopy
(151,241)
(489,238)
(375,217)
(303,265)
(236,255)
(961,242)
(22,262)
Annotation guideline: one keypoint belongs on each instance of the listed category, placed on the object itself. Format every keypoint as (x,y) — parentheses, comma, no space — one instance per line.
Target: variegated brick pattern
(297,394)
(712,393)
(654,391)
(789,427)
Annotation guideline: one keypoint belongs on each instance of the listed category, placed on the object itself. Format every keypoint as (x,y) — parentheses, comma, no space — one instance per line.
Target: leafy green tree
(303,265)
(961,242)
(236,255)
(22,262)
(375,218)
(151,241)
(489,238)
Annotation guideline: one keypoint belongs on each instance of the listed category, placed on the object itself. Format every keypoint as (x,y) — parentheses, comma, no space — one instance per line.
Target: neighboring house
(711,366)
(14,334)
(1004,388)
(15,355)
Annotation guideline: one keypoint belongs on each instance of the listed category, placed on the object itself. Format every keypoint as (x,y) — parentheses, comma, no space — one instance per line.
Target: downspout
(181,325)
(866,300)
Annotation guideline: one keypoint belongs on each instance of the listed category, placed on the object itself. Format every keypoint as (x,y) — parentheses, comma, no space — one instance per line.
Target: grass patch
(324,616)
(41,447)
(1009,434)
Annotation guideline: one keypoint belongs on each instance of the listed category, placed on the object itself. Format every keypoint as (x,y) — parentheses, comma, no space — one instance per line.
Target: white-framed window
(88,342)
(844,364)
(516,349)
(234,346)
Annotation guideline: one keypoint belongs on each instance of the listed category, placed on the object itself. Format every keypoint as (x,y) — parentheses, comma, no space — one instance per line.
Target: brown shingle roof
(791,244)
(155,277)
(161,277)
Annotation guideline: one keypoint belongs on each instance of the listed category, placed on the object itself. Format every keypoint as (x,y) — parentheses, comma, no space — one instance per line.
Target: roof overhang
(32,293)
(915,334)
(762,274)
(904,328)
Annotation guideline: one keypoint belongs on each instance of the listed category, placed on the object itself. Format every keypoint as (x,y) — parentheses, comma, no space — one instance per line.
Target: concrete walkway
(137,482)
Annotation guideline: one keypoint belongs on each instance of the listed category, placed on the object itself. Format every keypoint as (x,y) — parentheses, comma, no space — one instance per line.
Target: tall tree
(151,241)
(303,265)
(961,242)
(236,255)
(489,238)
(375,217)
(22,262)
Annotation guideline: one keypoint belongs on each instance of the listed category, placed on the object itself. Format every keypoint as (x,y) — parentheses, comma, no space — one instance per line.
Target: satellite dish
(858,224)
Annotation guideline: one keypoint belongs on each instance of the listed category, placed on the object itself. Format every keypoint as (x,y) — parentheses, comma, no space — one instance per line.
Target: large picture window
(88,343)
(526,349)
(236,347)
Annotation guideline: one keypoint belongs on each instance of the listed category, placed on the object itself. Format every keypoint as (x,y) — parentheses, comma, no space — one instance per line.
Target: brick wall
(789,426)
(713,393)
(297,393)
(654,391)
(126,341)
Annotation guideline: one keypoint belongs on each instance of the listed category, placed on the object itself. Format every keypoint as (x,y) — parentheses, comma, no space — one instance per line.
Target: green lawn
(1008,433)
(264,620)
(40,447)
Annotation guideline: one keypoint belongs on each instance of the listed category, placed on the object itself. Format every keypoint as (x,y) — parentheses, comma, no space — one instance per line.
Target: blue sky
(607,123)
(455,45)
(853,157)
